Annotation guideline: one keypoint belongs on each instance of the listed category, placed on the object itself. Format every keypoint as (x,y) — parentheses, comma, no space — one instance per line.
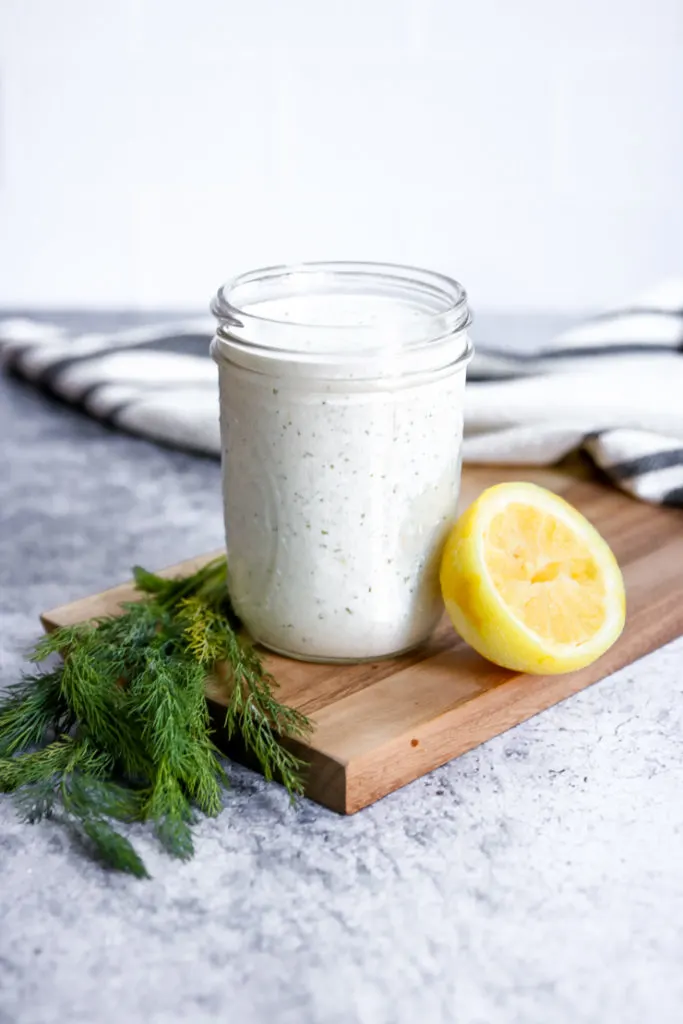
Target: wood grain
(379,726)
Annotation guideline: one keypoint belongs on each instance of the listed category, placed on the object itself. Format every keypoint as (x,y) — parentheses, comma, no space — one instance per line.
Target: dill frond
(31,710)
(113,849)
(170,810)
(120,730)
(36,800)
(253,711)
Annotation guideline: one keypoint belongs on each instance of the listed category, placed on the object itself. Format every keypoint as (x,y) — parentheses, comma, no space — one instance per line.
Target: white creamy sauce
(338,494)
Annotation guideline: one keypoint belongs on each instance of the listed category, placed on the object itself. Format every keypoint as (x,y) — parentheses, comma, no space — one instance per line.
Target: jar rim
(445,307)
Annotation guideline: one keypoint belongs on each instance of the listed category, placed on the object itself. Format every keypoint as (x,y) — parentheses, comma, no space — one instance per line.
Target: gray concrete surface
(536,880)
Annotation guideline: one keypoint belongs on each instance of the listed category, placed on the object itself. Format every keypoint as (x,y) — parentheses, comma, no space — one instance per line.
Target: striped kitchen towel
(612,386)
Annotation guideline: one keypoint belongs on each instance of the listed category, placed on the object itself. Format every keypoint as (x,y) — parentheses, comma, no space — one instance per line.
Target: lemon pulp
(545,575)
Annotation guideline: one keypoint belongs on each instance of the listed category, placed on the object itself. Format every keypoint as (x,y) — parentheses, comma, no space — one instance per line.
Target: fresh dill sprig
(120,730)
(31,709)
(253,712)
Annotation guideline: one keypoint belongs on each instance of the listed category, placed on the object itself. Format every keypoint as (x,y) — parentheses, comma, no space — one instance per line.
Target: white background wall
(151,148)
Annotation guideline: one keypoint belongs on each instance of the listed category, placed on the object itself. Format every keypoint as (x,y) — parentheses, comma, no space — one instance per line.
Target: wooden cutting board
(379,726)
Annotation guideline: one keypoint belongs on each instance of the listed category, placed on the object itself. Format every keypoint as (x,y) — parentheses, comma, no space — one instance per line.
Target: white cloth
(612,386)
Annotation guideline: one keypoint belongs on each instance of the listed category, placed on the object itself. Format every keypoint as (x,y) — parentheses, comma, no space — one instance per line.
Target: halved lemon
(530,583)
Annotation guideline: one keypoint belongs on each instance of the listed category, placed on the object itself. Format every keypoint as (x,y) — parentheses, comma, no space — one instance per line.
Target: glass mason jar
(341,398)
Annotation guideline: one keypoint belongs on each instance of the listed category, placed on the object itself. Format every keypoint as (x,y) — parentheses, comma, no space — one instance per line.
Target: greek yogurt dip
(340,486)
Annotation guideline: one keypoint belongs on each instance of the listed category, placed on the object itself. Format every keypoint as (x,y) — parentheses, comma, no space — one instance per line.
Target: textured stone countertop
(536,880)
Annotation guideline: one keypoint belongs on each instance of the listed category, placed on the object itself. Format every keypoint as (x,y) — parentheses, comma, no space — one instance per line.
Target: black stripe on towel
(475,376)
(674,498)
(633,311)
(180,344)
(597,350)
(646,464)
(622,348)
